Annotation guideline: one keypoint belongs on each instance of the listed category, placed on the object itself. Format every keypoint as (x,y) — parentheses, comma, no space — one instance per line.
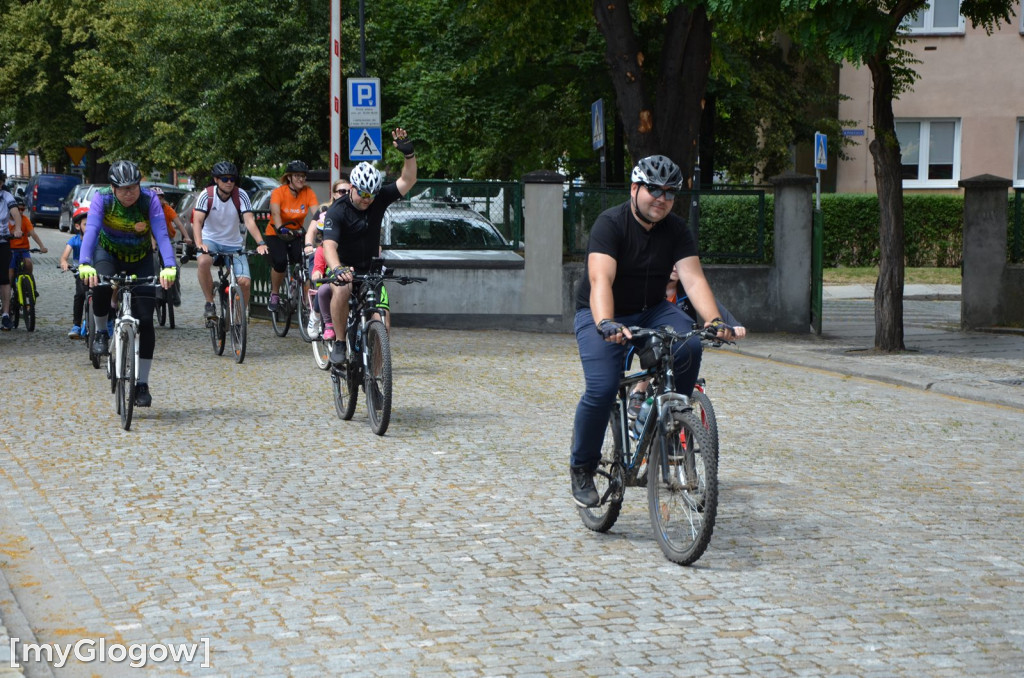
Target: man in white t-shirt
(217,222)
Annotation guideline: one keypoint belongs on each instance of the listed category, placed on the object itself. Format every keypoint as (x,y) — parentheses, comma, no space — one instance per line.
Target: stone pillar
(985,206)
(794,212)
(542,217)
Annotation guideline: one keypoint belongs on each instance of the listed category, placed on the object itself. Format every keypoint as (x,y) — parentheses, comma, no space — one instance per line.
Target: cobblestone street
(864,529)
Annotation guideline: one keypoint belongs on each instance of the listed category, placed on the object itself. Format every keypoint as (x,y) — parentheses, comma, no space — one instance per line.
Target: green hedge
(933,229)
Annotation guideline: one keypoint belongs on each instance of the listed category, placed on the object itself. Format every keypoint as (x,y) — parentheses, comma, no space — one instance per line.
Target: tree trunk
(885,151)
(673,128)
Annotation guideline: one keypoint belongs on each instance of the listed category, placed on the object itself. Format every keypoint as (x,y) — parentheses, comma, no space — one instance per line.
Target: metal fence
(729,223)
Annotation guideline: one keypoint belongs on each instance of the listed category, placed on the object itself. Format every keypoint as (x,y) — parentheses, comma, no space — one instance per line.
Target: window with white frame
(940,17)
(930,152)
(1018,175)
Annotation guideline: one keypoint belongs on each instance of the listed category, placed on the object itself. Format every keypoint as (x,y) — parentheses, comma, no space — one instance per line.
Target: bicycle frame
(124,317)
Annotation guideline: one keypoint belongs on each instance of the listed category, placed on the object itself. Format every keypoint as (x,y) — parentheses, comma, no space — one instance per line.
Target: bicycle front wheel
(239,324)
(322,354)
(346,391)
(704,411)
(161,311)
(90,331)
(303,320)
(281,319)
(608,479)
(377,381)
(219,324)
(682,489)
(28,303)
(126,376)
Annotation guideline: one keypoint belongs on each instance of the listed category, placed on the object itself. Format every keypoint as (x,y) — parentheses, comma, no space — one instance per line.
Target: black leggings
(5,263)
(143,296)
(284,251)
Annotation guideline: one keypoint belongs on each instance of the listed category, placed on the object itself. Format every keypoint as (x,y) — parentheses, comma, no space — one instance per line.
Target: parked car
(43,195)
(252,184)
(260,199)
(172,193)
(422,230)
(16,186)
(79,195)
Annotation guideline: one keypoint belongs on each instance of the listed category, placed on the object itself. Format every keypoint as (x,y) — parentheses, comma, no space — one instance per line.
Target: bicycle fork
(687,479)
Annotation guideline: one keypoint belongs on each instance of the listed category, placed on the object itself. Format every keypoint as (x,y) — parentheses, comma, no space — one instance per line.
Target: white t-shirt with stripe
(224,224)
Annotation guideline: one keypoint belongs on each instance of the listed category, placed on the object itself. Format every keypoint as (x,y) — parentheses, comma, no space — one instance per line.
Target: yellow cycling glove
(169,274)
(86,271)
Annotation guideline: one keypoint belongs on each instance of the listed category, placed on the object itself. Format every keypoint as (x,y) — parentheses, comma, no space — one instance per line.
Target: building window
(940,17)
(930,152)
(1018,175)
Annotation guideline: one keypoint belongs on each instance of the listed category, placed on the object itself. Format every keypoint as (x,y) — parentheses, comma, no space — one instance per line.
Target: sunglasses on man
(228,180)
(658,191)
(365,195)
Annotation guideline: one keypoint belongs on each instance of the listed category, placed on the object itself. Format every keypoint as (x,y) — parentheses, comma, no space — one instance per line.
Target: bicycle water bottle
(641,417)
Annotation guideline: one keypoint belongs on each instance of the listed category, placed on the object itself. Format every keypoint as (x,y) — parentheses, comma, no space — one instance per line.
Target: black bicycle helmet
(124,173)
(296,167)
(19,202)
(657,170)
(224,169)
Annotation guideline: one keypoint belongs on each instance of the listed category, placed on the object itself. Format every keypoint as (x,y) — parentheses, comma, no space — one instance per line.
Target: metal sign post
(597,133)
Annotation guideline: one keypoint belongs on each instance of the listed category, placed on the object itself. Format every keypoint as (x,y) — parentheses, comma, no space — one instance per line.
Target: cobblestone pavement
(865,529)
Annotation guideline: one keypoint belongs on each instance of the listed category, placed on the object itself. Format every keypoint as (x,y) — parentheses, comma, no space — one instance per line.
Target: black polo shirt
(644,258)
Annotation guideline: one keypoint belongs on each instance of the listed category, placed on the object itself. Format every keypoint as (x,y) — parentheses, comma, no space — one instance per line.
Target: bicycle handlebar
(667,332)
(332,279)
(190,252)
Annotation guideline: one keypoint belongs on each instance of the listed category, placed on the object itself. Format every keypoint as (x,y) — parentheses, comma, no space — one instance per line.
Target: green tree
(868,33)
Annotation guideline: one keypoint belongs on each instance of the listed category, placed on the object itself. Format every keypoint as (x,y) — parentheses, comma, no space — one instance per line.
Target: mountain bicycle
(667,447)
(23,296)
(290,301)
(368,351)
(233,317)
(123,359)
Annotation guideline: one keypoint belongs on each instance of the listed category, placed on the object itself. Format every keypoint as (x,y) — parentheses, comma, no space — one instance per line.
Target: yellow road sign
(75,153)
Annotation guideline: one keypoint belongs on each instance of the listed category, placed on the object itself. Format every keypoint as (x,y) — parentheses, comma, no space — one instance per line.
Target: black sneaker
(5,323)
(100,344)
(584,492)
(211,310)
(338,353)
(636,401)
(142,397)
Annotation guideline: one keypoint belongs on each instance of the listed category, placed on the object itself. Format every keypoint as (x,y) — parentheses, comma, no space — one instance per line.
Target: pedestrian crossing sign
(820,151)
(364,143)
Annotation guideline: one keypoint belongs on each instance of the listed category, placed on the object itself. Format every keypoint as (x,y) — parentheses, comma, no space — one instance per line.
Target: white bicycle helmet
(657,170)
(366,178)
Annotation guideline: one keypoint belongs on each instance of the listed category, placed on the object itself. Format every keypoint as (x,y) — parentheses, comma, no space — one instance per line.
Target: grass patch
(911,276)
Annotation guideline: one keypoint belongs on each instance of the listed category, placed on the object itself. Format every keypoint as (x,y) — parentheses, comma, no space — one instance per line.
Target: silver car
(423,231)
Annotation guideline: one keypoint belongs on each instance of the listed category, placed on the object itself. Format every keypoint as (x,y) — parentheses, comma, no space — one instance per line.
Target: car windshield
(443,231)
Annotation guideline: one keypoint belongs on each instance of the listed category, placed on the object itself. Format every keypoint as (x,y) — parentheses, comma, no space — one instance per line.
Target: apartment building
(964,116)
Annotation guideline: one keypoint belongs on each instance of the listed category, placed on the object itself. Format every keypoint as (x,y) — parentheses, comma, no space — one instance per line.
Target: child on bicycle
(20,234)
(68,259)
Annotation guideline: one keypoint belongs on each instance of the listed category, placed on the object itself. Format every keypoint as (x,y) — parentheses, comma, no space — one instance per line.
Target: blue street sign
(364,143)
(597,123)
(820,151)
(364,102)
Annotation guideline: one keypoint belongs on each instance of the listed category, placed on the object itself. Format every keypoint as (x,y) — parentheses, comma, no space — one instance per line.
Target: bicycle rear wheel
(608,479)
(682,489)
(377,381)
(239,324)
(161,311)
(346,390)
(126,378)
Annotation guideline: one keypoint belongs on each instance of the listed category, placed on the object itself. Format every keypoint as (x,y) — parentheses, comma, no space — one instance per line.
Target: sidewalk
(982,366)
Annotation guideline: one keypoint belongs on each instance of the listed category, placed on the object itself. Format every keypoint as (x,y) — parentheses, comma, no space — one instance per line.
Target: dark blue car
(43,196)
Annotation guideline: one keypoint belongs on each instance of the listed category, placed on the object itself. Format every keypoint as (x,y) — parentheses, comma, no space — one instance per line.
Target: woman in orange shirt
(290,203)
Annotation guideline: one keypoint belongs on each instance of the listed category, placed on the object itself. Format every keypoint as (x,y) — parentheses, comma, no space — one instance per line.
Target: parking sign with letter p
(364,102)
